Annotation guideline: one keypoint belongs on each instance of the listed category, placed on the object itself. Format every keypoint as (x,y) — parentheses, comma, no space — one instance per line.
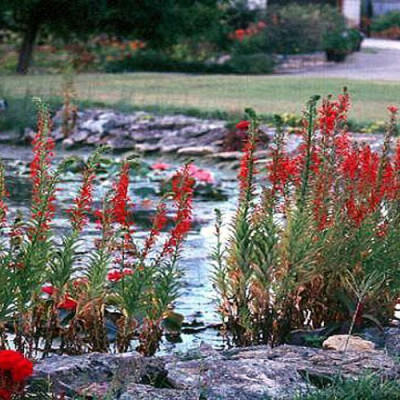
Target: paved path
(378,60)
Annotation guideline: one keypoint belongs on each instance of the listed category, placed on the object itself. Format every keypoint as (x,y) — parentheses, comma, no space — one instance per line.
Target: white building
(351,10)
(258,4)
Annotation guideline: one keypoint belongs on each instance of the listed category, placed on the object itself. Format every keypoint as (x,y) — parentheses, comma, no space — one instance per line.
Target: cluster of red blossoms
(247,163)
(182,188)
(116,275)
(43,192)
(252,30)
(14,370)
(83,202)
(344,180)
(3,195)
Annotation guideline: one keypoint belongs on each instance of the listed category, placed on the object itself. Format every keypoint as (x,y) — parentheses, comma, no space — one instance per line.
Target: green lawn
(267,94)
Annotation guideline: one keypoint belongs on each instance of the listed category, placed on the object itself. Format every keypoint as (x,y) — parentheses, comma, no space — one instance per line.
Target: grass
(365,388)
(209,94)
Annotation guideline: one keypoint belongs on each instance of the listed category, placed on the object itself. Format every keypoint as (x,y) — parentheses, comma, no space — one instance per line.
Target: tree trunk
(26,50)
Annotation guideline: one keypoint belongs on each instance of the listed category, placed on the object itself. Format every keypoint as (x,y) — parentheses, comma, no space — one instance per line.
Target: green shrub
(252,64)
(155,61)
(337,45)
(293,29)
(386,21)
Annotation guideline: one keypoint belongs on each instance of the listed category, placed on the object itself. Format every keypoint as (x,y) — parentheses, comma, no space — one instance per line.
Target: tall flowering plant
(326,223)
(146,281)
(120,291)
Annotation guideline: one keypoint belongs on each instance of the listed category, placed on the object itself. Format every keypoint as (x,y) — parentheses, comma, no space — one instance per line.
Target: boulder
(392,341)
(80,136)
(121,144)
(196,151)
(253,373)
(147,148)
(94,126)
(227,155)
(346,342)
(77,374)
(146,392)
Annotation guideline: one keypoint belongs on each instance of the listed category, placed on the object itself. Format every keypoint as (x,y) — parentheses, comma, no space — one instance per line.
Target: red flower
(21,370)
(127,271)
(247,168)
(243,125)
(8,358)
(67,304)
(3,195)
(116,276)
(14,369)
(159,223)
(43,184)
(49,289)
(182,188)
(5,394)
(393,109)
(121,200)
(83,201)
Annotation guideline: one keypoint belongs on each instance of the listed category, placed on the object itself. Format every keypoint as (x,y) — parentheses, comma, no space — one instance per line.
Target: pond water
(197,302)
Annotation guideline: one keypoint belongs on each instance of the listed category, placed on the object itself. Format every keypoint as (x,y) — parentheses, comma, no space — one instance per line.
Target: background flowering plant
(317,246)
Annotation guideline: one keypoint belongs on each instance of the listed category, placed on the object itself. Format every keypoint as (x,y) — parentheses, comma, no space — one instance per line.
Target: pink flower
(160,166)
(199,174)
(203,175)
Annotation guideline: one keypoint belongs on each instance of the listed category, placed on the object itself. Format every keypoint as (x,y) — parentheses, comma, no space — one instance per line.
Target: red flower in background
(243,125)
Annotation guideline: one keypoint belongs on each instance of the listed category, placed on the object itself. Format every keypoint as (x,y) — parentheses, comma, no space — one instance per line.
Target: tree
(62,17)
(160,22)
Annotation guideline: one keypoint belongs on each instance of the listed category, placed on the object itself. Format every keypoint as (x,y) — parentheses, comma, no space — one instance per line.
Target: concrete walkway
(378,60)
